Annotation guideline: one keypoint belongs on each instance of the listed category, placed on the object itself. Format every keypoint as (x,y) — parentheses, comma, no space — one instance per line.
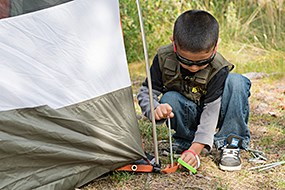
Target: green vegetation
(252,32)
(121,176)
(275,130)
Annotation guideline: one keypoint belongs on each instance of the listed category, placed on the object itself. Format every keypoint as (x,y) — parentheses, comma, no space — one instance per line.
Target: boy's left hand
(191,156)
(190,159)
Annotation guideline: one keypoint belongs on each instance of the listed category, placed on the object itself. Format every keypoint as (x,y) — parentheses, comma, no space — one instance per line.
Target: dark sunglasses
(188,62)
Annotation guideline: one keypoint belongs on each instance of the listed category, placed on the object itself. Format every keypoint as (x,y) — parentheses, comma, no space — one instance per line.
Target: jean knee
(177,101)
(170,97)
(238,82)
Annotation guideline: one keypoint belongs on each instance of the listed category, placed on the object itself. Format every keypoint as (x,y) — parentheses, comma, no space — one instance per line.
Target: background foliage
(256,26)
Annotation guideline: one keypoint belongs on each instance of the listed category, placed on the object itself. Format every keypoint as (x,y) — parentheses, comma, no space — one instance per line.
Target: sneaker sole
(230,168)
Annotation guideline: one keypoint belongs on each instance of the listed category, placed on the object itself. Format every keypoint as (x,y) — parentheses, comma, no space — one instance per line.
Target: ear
(172,41)
(218,42)
(171,38)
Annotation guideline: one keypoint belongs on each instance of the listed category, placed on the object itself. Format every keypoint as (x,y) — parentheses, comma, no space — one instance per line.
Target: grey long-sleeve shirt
(211,102)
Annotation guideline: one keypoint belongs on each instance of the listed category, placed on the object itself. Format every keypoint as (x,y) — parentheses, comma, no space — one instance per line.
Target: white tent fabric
(62,55)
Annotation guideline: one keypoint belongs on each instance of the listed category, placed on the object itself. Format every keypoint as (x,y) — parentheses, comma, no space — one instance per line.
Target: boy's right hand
(163,111)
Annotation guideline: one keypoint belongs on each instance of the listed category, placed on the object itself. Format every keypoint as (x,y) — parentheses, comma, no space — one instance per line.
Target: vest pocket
(170,67)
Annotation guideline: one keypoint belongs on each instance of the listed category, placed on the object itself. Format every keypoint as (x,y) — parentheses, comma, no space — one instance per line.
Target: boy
(199,94)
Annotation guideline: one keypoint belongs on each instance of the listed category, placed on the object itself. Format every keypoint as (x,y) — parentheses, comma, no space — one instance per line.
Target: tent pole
(154,135)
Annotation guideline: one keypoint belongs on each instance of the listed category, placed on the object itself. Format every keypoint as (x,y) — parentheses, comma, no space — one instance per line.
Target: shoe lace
(229,152)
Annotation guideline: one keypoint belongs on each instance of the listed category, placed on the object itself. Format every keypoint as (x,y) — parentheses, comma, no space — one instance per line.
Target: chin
(193,70)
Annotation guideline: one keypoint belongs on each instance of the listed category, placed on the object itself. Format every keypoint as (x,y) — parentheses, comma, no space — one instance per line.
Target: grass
(121,176)
(249,58)
(274,131)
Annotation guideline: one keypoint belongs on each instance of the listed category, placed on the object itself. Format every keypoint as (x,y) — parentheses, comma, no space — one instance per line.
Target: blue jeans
(233,116)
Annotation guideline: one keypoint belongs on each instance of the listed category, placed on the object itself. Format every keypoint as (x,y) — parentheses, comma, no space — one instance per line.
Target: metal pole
(154,135)
(170,141)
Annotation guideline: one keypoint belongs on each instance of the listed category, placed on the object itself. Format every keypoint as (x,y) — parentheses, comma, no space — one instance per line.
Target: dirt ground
(267,126)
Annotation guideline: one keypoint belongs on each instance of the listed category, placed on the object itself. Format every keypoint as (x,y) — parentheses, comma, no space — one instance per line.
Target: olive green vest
(192,87)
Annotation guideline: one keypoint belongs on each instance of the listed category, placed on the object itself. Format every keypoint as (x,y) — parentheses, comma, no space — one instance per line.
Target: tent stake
(149,84)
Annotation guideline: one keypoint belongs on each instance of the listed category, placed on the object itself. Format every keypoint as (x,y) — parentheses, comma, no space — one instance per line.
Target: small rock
(255,75)
(261,108)
(273,114)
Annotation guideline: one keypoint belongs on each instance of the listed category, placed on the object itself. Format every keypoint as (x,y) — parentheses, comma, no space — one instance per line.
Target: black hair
(196,31)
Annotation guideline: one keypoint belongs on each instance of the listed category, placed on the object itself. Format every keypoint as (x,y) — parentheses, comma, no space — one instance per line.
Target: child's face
(193,68)
(195,57)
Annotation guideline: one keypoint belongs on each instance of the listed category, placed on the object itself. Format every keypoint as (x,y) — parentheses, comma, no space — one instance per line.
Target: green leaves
(251,22)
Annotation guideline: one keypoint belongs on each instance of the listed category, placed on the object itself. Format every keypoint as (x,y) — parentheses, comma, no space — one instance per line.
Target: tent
(66,104)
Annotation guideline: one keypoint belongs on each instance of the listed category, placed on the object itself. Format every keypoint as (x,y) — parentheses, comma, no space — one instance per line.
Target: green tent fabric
(18,7)
(66,106)
(44,148)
